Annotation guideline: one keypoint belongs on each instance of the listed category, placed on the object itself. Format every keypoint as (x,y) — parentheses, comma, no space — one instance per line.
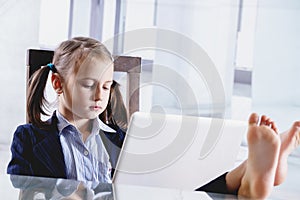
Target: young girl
(75,144)
(68,145)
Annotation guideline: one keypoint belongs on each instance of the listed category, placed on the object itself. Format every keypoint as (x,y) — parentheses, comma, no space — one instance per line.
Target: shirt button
(86,153)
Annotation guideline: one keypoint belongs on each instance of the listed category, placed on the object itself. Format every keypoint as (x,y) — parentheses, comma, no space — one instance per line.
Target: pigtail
(115,113)
(36,100)
(118,113)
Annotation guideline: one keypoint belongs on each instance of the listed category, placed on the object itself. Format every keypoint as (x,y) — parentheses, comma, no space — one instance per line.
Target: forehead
(96,68)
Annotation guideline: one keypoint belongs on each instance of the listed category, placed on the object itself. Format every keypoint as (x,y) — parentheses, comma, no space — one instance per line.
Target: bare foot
(290,140)
(264,146)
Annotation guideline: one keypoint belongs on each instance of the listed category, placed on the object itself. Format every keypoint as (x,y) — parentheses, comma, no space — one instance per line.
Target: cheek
(80,96)
(106,96)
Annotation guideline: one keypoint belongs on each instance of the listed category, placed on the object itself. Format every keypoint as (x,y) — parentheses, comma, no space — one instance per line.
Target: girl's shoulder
(49,126)
(33,132)
(30,128)
(118,137)
(24,134)
(25,129)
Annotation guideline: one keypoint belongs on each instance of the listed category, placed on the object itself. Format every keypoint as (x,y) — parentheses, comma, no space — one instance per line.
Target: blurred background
(254,45)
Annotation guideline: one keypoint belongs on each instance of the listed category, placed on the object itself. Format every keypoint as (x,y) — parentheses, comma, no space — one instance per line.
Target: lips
(95,108)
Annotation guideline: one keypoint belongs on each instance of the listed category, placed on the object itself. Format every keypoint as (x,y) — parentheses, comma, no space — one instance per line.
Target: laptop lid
(175,151)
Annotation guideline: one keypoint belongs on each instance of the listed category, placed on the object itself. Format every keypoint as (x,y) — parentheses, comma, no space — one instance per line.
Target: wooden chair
(131,65)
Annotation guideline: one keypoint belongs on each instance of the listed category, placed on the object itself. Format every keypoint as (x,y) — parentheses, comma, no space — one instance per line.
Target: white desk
(288,190)
(125,192)
(67,189)
(48,188)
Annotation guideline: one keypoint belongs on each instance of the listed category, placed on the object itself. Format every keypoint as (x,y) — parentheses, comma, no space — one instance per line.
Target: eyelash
(88,86)
(92,86)
(106,88)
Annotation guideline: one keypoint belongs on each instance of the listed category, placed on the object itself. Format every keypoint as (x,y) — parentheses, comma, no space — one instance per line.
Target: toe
(264,120)
(253,119)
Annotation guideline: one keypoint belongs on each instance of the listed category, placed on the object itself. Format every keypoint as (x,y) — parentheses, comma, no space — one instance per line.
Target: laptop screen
(176,151)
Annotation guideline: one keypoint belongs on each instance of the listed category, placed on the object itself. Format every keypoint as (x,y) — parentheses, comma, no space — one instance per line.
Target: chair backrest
(131,65)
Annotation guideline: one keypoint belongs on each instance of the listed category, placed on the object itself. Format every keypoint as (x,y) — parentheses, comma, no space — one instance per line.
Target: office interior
(253,46)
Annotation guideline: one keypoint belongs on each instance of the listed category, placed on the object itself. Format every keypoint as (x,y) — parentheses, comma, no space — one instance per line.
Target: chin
(94,115)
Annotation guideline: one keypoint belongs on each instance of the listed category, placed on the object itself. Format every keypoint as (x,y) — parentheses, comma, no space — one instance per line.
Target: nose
(98,94)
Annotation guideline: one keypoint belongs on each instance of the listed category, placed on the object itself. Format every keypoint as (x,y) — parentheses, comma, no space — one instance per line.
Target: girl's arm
(21,149)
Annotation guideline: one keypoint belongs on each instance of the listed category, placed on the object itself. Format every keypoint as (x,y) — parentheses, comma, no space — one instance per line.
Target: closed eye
(106,87)
(88,85)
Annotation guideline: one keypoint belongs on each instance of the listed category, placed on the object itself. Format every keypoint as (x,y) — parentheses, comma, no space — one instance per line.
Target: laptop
(175,151)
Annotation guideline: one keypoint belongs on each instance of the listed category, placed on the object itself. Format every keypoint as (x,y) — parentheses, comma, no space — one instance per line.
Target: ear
(56,83)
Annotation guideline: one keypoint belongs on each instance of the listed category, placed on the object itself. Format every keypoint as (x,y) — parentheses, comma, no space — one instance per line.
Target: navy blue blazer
(38,152)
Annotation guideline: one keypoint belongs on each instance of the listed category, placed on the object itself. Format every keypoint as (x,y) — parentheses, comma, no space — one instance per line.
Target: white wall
(276,70)
(277,50)
(19,22)
(81,18)
(54,22)
(210,24)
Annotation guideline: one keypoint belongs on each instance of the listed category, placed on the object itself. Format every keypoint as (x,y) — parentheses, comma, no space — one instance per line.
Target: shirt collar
(62,122)
(97,124)
(104,127)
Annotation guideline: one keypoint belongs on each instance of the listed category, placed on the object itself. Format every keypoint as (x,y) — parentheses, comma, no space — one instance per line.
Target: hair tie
(52,67)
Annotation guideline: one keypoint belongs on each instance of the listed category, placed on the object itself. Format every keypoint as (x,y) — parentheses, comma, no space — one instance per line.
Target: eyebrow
(108,81)
(93,79)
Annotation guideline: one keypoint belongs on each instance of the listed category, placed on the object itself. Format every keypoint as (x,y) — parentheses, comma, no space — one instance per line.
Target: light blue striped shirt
(85,161)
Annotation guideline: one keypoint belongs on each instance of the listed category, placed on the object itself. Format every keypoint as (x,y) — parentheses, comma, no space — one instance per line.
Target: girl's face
(86,93)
